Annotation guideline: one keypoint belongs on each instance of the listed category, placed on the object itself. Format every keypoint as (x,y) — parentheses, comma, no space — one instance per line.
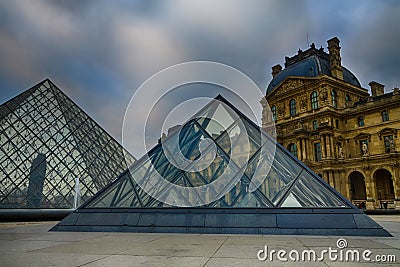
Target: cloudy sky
(99,52)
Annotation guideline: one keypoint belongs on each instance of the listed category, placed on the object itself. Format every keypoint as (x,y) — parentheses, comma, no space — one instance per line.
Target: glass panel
(278,178)
(240,142)
(147,170)
(218,119)
(309,192)
(172,193)
(105,199)
(291,202)
(211,171)
(239,196)
(189,139)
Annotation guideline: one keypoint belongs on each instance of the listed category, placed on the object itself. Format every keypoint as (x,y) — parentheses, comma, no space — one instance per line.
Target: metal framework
(46,142)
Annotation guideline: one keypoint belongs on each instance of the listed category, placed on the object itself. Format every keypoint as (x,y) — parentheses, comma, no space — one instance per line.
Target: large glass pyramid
(50,149)
(245,182)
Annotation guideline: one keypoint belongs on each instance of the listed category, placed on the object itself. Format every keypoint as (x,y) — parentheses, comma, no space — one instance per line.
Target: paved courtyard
(30,244)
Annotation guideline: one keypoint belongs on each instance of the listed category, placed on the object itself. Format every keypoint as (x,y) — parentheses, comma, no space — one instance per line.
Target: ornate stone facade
(332,124)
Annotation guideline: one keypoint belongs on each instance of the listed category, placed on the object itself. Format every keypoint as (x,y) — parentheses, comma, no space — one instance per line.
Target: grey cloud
(99,52)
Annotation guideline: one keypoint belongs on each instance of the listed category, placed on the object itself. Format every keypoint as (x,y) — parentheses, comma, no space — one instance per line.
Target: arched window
(292,105)
(314,100)
(273,110)
(348,99)
(293,149)
(334,100)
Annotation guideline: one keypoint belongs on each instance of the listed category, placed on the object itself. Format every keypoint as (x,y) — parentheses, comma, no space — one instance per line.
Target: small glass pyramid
(285,182)
(220,173)
(46,143)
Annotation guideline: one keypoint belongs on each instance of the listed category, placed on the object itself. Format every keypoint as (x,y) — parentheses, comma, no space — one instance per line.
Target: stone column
(396,185)
(304,150)
(346,184)
(300,148)
(339,183)
(328,146)
(332,180)
(307,152)
(323,150)
(328,178)
(370,186)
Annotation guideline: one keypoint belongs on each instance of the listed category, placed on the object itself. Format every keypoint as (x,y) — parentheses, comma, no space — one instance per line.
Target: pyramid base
(339,222)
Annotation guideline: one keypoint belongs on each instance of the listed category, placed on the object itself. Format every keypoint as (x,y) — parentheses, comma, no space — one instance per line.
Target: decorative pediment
(387,131)
(286,85)
(362,136)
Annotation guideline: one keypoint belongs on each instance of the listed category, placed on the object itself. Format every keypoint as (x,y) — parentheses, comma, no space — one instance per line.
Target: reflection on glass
(285,184)
(309,192)
(43,121)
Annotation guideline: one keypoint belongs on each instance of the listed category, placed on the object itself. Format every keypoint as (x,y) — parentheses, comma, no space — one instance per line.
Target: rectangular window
(334,101)
(315,125)
(360,121)
(317,152)
(389,143)
(292,105)
(385,115)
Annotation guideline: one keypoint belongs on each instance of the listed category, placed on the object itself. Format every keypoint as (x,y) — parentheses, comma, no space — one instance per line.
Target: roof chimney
(276,69)
(377,89)
(335,61)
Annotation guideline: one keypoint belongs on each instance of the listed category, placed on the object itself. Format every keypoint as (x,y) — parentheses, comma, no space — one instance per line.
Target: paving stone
(128,260)
(45,259)
(24,245)
(30,244)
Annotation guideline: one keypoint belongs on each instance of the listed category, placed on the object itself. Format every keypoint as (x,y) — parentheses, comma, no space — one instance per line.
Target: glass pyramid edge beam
(101,191)
(18,99)
(311,172)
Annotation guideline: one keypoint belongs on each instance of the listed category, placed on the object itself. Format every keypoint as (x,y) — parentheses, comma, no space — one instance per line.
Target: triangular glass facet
(308,192)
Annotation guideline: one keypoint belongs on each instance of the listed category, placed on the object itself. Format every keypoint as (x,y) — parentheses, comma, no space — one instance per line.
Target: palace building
(342,132)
